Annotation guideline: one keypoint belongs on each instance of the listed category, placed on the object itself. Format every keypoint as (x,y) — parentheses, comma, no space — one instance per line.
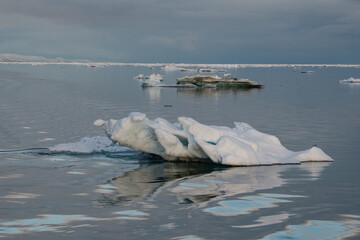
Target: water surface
(136,196)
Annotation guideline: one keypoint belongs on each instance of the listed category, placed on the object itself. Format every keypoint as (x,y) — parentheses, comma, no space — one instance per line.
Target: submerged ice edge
(88,145)
(189,140)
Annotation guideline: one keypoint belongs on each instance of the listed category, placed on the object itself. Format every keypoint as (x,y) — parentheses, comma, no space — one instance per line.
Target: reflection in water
(154,93)
(200,92)
(44,223)
(248,204)
(267,220)
(141,183)
(132,215)
(187,237)
(320,230)
(61,223)
(198,183)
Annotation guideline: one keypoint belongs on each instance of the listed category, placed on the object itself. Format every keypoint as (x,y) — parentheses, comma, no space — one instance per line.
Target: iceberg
(217,82)
(350,80)
(189,140)
(154,80)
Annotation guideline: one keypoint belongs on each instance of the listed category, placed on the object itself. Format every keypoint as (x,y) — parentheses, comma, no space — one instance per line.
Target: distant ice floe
(189,140)
(154,76)
(17,58)
(177,67)
(38,61)
(150,81)
(171,68)
(88,145)
(350,80)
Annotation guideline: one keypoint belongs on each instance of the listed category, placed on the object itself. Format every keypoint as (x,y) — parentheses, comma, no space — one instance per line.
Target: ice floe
(350,80)
(187,67)
(152,80)
(171,68)
(218,82)
(189,140)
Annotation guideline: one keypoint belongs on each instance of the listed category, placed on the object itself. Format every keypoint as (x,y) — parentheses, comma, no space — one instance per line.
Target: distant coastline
(38,61)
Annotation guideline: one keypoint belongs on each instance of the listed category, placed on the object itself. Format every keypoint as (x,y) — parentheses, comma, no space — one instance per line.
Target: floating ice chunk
(99,122)
(156,76)
(171,68)
(152,81)
(207,70)
(140,76)
(350,80)
(190,140)
(88,145)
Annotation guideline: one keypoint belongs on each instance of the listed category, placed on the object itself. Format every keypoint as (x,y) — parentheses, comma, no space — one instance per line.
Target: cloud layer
(229,31)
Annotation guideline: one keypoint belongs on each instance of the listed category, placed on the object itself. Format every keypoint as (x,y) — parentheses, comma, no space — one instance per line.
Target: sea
(133,195)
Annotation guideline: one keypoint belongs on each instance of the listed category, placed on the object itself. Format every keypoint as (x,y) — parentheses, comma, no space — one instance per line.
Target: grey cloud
(161,30)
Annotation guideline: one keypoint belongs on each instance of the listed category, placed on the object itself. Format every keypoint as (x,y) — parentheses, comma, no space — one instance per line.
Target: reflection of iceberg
(141,183)
(154,94)
(198,183)
(216,92)
(190,140)
(219,185)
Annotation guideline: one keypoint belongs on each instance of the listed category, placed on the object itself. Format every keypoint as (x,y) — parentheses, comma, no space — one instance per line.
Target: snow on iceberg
(152,80)
(189,140)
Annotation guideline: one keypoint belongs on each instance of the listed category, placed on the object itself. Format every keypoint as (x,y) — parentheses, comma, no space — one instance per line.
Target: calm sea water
(129,195)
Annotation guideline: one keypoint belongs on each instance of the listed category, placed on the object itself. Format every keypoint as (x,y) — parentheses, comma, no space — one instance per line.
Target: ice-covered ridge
(189,140)
(88,145)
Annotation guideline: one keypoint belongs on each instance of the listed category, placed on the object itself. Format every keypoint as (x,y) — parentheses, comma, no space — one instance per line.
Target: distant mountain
(7,57)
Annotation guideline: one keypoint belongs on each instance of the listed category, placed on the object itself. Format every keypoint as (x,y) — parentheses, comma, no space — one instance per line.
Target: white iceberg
(189,140)
(153,80)
(350,80)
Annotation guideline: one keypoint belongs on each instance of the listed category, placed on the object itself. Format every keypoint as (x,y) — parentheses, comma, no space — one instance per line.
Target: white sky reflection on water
(320,230)
(246,205)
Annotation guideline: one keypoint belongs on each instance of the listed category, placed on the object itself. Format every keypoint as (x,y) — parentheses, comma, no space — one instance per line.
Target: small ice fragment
(46,139)
(350,80)
(99,122)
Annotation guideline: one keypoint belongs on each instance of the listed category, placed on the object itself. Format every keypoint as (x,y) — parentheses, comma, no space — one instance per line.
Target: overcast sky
(190,31)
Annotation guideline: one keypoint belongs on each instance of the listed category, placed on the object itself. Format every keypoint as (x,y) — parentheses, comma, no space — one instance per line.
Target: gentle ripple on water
(134,196)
